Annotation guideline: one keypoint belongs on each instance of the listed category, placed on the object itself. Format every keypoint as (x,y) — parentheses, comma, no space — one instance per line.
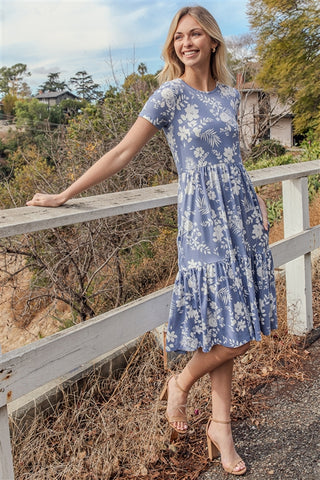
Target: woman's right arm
(110,163)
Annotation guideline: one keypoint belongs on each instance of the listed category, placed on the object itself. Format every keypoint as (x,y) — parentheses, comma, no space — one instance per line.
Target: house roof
(55,94)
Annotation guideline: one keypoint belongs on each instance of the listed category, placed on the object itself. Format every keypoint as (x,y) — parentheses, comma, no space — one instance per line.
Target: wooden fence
(27,368)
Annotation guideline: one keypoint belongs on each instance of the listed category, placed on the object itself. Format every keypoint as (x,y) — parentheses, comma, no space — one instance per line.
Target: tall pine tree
(85,87)
(53,83)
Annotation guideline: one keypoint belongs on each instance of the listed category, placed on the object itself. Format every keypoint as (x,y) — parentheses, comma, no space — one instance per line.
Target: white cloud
(62,26)
(69,35)
(71,25)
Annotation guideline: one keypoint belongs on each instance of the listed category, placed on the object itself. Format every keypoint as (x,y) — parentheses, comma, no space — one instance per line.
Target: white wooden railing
(27,368)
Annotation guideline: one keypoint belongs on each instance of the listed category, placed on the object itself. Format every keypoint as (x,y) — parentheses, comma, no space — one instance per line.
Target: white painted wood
(27,368)
(298,271)
(280,173)
(31,219)
(6,462)
(300,244)
(299,295)
(295,206)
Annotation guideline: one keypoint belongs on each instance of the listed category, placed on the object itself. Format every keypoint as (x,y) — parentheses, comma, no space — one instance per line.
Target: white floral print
(224,292)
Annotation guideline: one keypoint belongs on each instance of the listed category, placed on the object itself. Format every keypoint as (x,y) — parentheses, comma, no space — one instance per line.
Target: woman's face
(193,46)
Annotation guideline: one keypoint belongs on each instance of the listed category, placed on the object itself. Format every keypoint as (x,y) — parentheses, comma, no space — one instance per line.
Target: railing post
(6,462)
(298,271)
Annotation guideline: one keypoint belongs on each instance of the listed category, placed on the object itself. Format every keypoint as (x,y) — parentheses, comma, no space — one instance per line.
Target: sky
(106,38)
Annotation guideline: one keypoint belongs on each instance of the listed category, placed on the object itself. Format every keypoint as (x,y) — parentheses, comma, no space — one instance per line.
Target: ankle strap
(219,421)
(178,385)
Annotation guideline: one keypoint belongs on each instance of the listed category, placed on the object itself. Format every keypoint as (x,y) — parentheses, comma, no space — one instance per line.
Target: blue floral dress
(224,291)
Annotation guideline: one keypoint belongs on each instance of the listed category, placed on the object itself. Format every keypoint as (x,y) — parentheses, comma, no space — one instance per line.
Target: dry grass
(114,428)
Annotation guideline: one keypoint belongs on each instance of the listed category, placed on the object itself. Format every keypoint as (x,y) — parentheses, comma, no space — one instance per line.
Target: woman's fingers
(45,200)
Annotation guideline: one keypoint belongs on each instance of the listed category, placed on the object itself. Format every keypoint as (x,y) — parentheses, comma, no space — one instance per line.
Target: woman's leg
(221,433)
(200,364)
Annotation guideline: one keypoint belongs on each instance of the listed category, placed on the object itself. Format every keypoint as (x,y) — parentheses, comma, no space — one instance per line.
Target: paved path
(287,445)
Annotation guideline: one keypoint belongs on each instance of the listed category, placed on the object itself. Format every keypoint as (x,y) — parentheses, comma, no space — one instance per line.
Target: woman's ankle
(186,379)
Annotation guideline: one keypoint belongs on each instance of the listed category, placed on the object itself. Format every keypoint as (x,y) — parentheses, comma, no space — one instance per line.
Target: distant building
(54,98)
(263,116)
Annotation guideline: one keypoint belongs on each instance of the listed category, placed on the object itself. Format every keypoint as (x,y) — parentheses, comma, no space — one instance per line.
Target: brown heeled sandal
(179,418)
(214,451)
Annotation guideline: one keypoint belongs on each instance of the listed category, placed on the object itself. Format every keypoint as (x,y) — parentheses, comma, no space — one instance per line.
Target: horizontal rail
(31,219)
(265,176)
(27,368)
(14,221)
(293,247)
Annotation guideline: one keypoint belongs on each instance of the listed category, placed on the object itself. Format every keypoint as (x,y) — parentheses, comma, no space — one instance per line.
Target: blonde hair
(174,68)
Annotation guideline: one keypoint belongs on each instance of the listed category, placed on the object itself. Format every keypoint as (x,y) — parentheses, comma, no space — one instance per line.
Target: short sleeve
(160,107)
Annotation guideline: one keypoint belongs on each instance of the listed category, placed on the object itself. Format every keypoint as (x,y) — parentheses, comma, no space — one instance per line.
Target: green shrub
(265,162)
(267,149)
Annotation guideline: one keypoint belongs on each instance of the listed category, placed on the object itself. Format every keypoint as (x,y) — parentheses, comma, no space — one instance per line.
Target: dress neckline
(201,91)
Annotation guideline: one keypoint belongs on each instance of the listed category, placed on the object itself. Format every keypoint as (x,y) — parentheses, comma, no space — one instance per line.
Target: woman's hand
(46,200)
(264,212)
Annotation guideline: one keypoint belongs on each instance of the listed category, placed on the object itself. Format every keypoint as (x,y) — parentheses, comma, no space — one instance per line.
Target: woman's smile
(190,53)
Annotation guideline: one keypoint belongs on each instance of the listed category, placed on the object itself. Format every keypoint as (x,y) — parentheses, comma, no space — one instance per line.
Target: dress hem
(258,338)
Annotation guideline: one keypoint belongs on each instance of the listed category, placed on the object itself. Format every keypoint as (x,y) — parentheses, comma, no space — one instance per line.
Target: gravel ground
(286,444)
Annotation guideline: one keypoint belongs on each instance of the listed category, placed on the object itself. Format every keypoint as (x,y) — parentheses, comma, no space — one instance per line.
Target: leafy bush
(29,170)
(267,149)
(275,211)
(265,162)
(311,150)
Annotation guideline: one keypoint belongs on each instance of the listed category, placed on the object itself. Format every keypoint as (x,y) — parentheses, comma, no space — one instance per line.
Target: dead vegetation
(114,428)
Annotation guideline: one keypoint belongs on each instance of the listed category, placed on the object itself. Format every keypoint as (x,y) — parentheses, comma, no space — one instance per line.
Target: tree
(12,80)
(8,102)
(31,114)
(140,82)
(241,56)
(85,87)
(288,37)
(72,108)
(53,84)
(142,69)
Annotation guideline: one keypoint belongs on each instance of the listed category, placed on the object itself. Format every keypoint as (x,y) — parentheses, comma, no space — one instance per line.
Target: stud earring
(213,49)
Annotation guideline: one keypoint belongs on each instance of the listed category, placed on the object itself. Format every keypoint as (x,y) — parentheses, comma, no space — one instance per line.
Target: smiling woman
(224,292)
